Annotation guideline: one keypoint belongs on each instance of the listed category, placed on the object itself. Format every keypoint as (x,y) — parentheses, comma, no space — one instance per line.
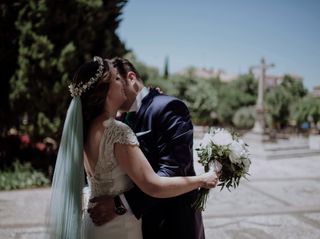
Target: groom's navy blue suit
(166,138)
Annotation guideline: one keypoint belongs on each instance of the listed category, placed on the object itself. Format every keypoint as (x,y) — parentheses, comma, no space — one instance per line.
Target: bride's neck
(107,115)
(109,112)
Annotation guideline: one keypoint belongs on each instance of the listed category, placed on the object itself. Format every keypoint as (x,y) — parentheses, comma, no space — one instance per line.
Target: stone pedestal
(314,142)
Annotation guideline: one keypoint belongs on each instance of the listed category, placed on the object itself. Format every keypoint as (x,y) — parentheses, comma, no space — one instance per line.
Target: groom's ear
(131,76)
(133,81)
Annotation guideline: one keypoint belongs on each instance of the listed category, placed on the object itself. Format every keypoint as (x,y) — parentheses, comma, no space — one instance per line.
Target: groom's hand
(103,210)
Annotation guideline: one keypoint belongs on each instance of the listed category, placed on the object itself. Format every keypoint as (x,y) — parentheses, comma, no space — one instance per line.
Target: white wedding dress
(109,179)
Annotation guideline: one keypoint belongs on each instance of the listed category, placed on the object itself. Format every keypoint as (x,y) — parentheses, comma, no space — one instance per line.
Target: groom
(165,133)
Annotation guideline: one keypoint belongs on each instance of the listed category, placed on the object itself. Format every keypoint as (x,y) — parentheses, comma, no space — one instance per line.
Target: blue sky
(226,34)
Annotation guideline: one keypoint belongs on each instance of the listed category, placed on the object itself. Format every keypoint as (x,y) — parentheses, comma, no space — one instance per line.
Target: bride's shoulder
(122,125)
(117,125)
(121,133)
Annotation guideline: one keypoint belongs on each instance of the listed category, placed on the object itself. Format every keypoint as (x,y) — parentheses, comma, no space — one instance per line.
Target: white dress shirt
(137,103)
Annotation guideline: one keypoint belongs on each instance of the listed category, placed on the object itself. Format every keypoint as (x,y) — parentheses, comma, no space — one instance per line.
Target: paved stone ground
(280,200)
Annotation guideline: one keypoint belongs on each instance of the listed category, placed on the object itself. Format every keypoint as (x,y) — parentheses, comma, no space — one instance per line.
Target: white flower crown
(78,89)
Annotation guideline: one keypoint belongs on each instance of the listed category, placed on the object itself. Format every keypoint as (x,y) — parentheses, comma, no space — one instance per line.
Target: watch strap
(118,206)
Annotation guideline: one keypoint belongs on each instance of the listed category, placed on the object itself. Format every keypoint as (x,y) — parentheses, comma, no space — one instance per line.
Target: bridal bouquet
(228,155)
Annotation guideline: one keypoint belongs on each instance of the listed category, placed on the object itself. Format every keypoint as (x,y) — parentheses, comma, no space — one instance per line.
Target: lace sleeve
(125,135)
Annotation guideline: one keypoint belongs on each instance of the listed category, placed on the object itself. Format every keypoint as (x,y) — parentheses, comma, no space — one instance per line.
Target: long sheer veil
(65,210)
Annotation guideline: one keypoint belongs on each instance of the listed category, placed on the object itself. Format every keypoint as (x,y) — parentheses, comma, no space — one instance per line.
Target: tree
(166,68)
(244,117)
(249,88)
(239,93)
(8,58)
(306,109)
(281,98)
(295,87)
(54,38)
(202,99)
(278,102)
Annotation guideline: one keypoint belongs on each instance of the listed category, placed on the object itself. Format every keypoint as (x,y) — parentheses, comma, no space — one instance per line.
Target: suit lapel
(146,101)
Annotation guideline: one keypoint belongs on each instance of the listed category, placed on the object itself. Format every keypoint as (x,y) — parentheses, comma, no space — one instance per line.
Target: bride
(109,151)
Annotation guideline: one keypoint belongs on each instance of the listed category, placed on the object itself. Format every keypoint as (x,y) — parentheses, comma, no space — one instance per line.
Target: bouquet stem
(201,199)
(202,195)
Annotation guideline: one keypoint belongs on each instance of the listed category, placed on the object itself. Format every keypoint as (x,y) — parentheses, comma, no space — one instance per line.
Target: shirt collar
(138,101)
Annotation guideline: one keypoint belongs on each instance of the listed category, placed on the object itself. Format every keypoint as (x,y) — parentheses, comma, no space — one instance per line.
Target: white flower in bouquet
(237,152)
(221,137)
(207,139)
(229,156)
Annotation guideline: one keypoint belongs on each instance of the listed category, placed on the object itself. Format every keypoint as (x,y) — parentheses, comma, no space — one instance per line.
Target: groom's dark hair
(124,66)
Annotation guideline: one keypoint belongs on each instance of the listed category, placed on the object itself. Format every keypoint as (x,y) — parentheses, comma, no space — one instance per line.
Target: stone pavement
(281,200)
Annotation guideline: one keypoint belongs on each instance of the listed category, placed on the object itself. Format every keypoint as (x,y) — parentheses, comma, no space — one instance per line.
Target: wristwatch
(118,206)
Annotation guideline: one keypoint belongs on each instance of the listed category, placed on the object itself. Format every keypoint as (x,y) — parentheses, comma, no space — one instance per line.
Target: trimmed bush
(244,118)
(22,176)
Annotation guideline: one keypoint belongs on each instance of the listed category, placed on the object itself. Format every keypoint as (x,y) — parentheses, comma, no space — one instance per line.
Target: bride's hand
(210,179)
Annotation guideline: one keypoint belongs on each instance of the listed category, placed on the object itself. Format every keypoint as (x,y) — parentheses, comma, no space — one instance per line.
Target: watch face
(120,210)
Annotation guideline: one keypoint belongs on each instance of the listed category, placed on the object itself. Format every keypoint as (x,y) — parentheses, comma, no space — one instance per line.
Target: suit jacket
(165,132)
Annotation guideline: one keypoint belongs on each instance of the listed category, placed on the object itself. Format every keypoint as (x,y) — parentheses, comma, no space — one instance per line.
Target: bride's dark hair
(92,99)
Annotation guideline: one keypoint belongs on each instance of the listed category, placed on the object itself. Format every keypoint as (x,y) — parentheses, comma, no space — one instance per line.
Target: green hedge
(22,176)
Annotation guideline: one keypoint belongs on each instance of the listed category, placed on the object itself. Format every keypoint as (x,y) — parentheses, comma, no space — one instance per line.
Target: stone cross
(259,125)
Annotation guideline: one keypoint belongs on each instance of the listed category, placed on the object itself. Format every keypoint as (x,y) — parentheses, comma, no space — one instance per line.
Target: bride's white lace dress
(109,179)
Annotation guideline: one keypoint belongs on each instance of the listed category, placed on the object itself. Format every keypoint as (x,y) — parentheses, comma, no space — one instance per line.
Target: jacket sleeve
(175,141)
(174,146)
